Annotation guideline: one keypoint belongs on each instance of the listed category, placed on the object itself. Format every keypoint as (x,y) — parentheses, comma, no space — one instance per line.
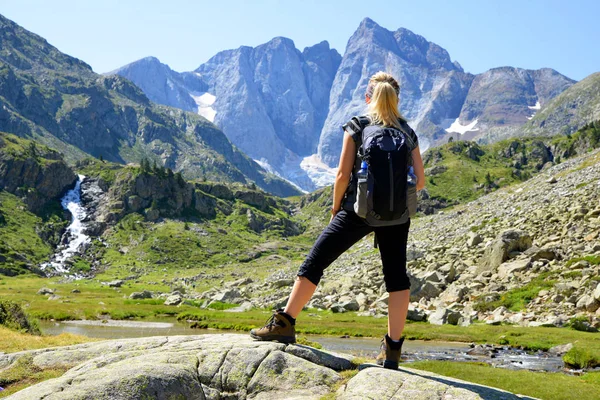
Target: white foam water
(74,235)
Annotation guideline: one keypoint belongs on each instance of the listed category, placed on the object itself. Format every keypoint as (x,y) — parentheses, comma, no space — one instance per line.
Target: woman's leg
(301,293)
(392,247)
(397,311)
(341,233)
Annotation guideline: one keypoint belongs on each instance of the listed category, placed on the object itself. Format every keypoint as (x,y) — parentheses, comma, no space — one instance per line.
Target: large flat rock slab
(224,367)
(208,367)
(410,384)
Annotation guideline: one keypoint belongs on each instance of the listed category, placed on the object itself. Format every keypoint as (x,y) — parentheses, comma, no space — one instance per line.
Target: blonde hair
(383,90)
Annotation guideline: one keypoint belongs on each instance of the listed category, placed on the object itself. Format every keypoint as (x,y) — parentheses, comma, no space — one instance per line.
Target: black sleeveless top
(355,127)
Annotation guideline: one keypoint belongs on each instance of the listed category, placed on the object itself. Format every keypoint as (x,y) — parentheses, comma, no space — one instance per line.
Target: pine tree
(179,179)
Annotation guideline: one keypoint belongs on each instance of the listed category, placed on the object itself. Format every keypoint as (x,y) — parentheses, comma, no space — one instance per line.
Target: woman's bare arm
(418,167)
(342,179)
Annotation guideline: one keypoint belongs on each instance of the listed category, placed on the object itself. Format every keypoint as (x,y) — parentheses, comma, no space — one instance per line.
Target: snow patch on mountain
(319,172)
(204,101)
(537,107)
(456,127)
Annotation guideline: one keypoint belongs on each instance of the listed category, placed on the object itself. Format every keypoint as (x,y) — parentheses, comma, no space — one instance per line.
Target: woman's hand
(344,172)
(333,214)
(418,167)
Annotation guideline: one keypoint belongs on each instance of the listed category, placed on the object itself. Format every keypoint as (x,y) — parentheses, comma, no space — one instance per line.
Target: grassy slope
(458,183)
(20,243)
(555,386)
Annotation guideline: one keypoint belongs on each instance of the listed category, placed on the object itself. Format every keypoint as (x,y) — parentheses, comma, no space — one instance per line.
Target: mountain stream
(74,237)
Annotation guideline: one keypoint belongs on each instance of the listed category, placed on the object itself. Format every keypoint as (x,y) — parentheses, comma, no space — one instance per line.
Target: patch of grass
(303,340)
(518,298)
(579,358)
(13,341)
(593,260)
(24,373)
(572,274)
(217,305)
(555,386)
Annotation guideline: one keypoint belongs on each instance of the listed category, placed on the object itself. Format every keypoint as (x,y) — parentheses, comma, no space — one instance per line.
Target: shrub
(12,316)
(581,358)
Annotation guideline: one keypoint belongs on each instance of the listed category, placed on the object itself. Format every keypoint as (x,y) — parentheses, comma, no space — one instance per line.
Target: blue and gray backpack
(381,169)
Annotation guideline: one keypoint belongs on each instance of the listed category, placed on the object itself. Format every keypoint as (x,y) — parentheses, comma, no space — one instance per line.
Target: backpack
(382,189)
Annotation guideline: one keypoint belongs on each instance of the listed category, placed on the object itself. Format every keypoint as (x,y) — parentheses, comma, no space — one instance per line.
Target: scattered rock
(45,291)
(499,251)
(474,239)
(146,294)
(115,284)
(174,300)
(561,349)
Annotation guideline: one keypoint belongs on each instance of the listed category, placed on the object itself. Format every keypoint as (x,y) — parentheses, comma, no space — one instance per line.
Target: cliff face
(271,101)
(33,172)
(433,88)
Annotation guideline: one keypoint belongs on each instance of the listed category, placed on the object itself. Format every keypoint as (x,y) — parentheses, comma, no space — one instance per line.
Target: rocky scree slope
(61,102)
(527,254)
(224,366)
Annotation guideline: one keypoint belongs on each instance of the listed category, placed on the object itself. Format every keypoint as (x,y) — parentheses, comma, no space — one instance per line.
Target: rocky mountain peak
(25,50)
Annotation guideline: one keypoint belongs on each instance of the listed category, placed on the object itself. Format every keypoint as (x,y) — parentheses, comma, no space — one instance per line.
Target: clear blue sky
(564,35)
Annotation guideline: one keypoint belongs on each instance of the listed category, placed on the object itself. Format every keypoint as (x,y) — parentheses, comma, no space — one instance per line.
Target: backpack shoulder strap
(406,131)
(355,127)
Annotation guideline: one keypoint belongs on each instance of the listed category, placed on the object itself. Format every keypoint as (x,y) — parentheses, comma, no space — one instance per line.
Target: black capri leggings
(347,228)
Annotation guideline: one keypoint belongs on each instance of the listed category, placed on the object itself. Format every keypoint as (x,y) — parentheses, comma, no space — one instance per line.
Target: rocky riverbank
(224,367)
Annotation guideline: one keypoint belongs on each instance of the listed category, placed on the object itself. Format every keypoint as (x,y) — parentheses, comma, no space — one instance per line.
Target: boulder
(474,239)
(499,250)
(596,294)
(443,316)
(561,349)
(587,303)
(45,290)
(429,290)
(508,269)
(187,367)
(115,284)
(146,294)
(227,296)
(454,294)
(173,300)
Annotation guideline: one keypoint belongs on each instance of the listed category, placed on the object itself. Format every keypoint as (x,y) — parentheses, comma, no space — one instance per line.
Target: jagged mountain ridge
(270,100)
(60,101)
(569,111)
(502,99)
(438,97)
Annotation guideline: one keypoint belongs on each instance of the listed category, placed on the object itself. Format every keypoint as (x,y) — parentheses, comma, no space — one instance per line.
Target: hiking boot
(389,357)
(279,328)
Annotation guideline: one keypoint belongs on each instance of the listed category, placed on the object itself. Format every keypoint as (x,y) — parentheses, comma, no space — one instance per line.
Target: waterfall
(74,237)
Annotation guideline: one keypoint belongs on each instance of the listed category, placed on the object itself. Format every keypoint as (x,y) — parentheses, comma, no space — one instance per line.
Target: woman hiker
(346,227)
